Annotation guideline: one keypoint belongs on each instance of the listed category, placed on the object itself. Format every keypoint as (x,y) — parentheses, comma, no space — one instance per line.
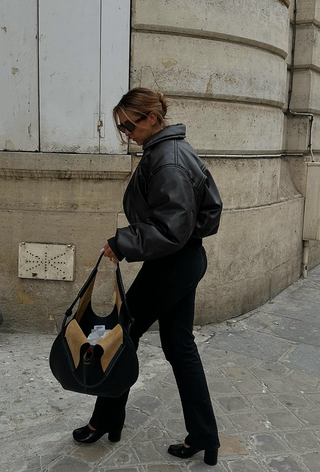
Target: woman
(171,203)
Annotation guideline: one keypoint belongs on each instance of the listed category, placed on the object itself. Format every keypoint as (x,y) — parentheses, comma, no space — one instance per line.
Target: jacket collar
(170,132)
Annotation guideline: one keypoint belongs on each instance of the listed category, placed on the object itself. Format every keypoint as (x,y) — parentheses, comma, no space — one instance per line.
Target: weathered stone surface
(266,444)
(294,401)
(249,386)
(259,345)
(38,416)
(304,358)
(244,465)
(308,47)
(308,11)
(309,417)
(306,96)
(268,28)
(311,460)
(227,127)
(67,464)
(37,304)
(283,420)
(283,464)
(231,447)
(265,402)
(233,291)
(304,440)
(270,181)
(290,328)
(250,422)
(233,403)
(238,373)
(294,309)
(242,73)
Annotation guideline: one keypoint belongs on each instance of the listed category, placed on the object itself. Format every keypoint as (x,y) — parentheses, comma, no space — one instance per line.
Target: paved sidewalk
(263,370)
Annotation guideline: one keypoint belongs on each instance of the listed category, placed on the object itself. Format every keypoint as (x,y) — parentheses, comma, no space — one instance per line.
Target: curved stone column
(223,67)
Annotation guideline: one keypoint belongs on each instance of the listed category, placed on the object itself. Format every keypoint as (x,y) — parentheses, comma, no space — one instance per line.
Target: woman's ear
(153,118)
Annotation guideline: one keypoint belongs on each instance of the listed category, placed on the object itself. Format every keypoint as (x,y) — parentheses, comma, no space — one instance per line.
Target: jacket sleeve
(209,213)
(168,222)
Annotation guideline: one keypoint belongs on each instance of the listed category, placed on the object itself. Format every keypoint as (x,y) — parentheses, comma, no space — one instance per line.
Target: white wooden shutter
(69,66)
(18,75)
(115,42)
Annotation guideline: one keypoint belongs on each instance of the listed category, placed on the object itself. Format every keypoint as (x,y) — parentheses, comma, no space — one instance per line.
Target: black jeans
(164,290)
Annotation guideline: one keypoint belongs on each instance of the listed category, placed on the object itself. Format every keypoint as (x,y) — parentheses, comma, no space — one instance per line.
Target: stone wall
(225,68)
(226,78)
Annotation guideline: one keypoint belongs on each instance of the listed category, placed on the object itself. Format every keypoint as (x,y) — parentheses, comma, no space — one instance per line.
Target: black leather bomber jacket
(170,198)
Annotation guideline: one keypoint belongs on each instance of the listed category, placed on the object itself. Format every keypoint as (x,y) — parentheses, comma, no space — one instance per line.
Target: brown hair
(142,101)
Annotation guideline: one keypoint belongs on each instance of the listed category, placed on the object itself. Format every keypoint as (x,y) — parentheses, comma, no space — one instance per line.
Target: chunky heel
(114,436)
(211,457)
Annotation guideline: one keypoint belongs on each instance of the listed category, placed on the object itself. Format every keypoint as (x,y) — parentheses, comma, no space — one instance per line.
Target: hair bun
(163,102)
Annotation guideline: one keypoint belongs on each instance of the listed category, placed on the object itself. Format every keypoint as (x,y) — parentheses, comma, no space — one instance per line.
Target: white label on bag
(99,327)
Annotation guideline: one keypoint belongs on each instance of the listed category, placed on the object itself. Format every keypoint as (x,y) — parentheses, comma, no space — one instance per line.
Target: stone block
(250,422)
(309,417)
(297,136)
(266,444)
(268,26)
(231,446)
(147,451)
(287,328)
(62,182)
(224,424)
(226,127)
(294,401)
(307,47)
(244,465)
(259,345)
(279,385)
(265,402)
(283,464)
(283,420)
(238,373)
(304,357)
(39,304)
(255,182)
(294,309)
(306,95)
(233,403)
(311,460)
(197,67)
(262,235)
(163,468)
(301,440)
(220,386)
(248,386)
(306,293)
(308,11)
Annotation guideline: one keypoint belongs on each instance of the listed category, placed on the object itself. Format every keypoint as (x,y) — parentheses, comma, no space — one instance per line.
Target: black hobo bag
(107,369)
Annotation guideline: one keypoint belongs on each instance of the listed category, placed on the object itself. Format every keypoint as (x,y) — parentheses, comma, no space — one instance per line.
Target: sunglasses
(130,125)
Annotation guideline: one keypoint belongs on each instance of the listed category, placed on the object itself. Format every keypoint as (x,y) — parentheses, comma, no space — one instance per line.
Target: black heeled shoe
(179,450)
(87,435)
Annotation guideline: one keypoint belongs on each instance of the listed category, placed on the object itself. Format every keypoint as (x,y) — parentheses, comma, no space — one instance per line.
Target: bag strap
(123,295)
(85,286)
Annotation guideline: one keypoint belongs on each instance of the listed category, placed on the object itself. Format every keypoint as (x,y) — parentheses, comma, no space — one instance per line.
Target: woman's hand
(108,252)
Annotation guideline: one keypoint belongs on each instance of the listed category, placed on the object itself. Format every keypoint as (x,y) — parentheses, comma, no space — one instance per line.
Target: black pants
(164,290)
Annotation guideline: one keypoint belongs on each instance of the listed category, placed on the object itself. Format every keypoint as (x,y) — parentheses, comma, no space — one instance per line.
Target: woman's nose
(127,132)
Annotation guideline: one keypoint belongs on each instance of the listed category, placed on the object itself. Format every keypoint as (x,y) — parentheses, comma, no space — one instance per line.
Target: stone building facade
(226,68)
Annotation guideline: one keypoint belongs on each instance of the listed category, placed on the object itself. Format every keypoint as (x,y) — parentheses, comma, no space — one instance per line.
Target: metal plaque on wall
(46,261)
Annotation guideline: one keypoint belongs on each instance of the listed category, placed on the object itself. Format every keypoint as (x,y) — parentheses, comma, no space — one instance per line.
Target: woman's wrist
(113,244)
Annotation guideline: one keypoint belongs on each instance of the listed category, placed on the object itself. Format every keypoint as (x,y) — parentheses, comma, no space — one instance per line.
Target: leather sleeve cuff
(115,249)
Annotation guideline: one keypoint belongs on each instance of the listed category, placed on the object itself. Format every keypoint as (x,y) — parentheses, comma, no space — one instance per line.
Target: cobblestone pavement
(263,371)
